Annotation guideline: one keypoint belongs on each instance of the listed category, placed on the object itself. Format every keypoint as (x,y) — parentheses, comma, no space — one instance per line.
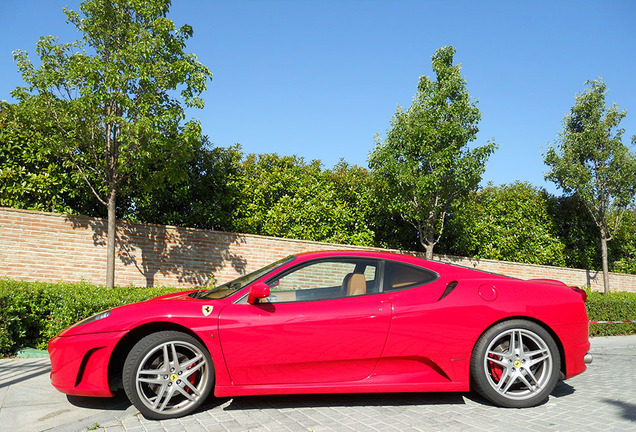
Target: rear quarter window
(400,276)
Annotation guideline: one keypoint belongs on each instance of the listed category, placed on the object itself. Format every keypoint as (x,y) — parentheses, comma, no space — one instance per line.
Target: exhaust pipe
(588,358)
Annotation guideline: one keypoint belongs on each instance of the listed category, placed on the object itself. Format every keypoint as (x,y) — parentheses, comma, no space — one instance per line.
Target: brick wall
(38,246)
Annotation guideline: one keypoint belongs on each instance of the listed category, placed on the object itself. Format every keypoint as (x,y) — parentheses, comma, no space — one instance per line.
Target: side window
(402,276)
(324,280)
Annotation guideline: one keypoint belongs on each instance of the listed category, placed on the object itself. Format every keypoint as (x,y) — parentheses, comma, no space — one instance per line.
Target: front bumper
(79,364)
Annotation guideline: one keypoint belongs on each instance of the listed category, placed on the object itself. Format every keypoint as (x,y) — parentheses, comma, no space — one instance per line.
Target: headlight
(90,319)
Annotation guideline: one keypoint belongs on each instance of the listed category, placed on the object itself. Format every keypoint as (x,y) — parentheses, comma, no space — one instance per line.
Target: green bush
(31,313)
(614,306)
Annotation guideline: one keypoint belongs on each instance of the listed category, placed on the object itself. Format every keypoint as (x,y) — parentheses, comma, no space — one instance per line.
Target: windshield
(229,288)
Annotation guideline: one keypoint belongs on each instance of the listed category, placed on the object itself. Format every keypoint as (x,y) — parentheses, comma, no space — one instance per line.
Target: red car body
(416,339)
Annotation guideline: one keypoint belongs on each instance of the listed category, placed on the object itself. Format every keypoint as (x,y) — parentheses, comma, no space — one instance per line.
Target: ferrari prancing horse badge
(207,310)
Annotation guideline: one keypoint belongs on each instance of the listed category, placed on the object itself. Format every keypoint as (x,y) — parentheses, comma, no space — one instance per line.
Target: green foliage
(510,223)
(284,196)
(590,159)
(576,229)
(613,306)
(425,165)
(31,313)
(622,250)
(204,199)
(111,97)
(578,232)
(262,181)
(31,175)
(328,205)
(391,231)
(265,194)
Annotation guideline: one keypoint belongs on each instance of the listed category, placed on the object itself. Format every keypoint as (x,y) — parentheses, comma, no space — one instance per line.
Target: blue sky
(320,78)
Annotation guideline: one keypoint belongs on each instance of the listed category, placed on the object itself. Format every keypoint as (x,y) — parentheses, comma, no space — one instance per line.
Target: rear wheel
(168,374)
(515,364)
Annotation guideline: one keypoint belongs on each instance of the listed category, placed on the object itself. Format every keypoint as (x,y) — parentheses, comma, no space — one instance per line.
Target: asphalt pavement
(602,398)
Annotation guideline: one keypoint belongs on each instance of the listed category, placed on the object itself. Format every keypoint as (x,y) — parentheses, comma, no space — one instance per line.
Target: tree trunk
(606,285)
(427,239)
(428,243)
(429,251)
(110,250)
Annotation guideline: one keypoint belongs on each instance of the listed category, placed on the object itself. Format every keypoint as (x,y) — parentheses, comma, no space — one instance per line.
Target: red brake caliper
(192,378)
(495,370)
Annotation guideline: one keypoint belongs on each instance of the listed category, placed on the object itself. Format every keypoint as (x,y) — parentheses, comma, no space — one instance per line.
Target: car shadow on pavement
(117,403)
(343,400)
(120,402)
(562,389)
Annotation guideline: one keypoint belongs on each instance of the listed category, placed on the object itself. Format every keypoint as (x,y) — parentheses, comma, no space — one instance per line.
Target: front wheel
(168,374)
(515,364)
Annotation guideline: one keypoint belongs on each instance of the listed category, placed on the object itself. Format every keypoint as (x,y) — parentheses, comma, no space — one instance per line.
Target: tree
(260,182)
(204,199)
(284,196)
(328,205)
(425,165)
(590,160)
(576,230)
(113,98)
(508,222)
(622,252)
(30,176)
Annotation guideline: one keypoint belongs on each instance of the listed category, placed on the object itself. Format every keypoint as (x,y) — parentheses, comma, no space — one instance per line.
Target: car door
(426,330)
(324,321)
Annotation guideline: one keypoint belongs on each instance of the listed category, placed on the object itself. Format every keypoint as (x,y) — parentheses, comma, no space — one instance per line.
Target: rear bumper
(79,364)
(576,347)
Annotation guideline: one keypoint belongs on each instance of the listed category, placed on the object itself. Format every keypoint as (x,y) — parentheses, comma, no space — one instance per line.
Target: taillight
(582,292)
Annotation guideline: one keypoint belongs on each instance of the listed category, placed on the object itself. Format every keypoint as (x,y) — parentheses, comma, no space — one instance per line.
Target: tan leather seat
(345,285)
(356,285)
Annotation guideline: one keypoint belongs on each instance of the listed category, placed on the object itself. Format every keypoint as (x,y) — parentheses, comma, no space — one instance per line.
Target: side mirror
(258,291)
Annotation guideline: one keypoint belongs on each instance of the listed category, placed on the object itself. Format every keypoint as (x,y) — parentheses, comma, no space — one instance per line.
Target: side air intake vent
(450,287)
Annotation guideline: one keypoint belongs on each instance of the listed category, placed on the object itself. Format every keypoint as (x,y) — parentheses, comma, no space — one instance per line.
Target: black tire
(168,374)
(515,364)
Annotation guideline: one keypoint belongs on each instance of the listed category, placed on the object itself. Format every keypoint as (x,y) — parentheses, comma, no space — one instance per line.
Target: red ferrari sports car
(332,322)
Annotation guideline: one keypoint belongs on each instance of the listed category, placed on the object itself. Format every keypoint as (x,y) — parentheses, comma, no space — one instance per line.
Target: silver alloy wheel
(172,377)
(518,364)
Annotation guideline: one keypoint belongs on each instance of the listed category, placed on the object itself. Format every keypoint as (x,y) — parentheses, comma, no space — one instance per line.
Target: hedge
(615,306)
(31,313)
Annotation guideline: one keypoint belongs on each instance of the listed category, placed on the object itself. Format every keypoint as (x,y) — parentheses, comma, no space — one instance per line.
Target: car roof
(455,271)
